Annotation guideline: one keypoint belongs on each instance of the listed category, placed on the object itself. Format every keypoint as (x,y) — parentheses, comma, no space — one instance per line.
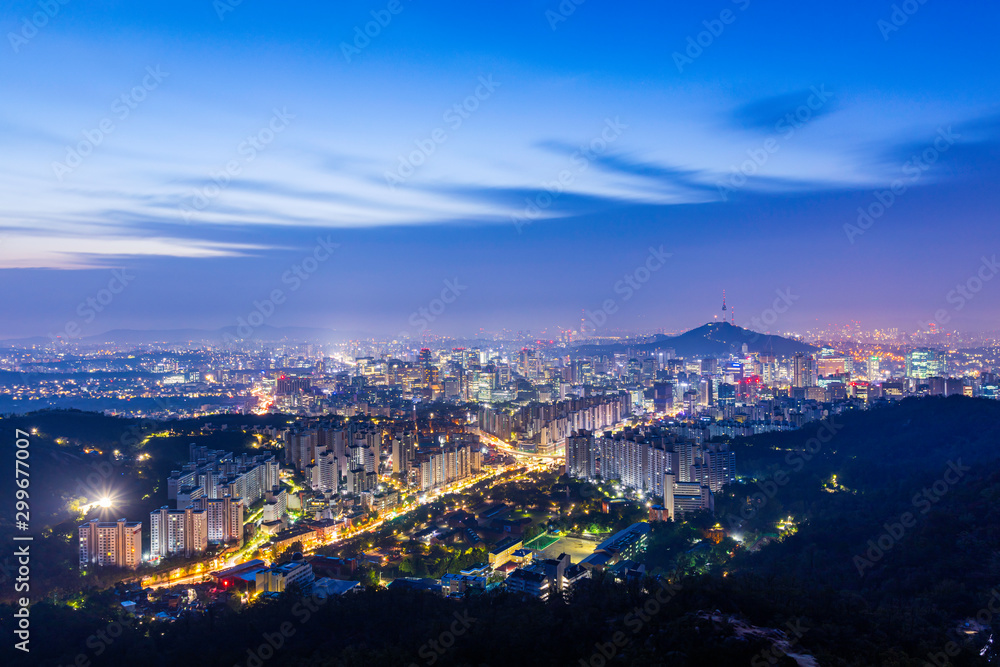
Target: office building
(680,498)
(925,363)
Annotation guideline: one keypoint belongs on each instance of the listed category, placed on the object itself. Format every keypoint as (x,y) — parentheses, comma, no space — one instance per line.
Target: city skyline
(542,332)
(534,157)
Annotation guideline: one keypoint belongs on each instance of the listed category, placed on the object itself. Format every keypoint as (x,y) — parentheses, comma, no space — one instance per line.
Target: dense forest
(889,555)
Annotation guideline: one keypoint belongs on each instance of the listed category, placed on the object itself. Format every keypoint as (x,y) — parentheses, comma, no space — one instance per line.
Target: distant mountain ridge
(715,339)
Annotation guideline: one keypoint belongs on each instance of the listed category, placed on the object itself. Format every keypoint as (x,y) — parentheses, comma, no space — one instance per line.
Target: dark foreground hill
(894,562)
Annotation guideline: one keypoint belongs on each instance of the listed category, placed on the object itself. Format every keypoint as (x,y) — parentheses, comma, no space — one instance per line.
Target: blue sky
(585,126)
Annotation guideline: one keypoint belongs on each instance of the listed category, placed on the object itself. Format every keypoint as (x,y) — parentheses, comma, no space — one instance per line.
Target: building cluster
(189,531)
(542,428)
(619,555)
(356,447)
(217,474)
(345,460)
(652,461)
(453,458)
(257,578)
(211,494)
(456,374)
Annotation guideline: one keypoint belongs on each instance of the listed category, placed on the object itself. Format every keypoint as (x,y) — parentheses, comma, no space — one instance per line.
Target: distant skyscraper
(404,449)
(925,363)
(727,396)
(803,370)
(874,371)
(663,396)
(288,386)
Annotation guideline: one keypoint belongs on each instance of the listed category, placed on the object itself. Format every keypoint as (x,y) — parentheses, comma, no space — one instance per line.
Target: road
(354,534)
(496,442)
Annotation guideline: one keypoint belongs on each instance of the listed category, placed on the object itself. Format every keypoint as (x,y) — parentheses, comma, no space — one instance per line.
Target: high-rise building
(363,455)
(224,519)
(174,532)
(727,395)
(359,481)
(827,366)
(579,455)
(925,363)
(276,505)
(118,544)
(874,370)
(404,449)
(325,474)
(663,396)
(803,370)
(717,467)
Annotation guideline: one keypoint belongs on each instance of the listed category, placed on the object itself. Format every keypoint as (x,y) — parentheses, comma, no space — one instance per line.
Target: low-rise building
(503,551)
(279,577)
(529,582)
(626,544)
(546,577)
(457,584)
